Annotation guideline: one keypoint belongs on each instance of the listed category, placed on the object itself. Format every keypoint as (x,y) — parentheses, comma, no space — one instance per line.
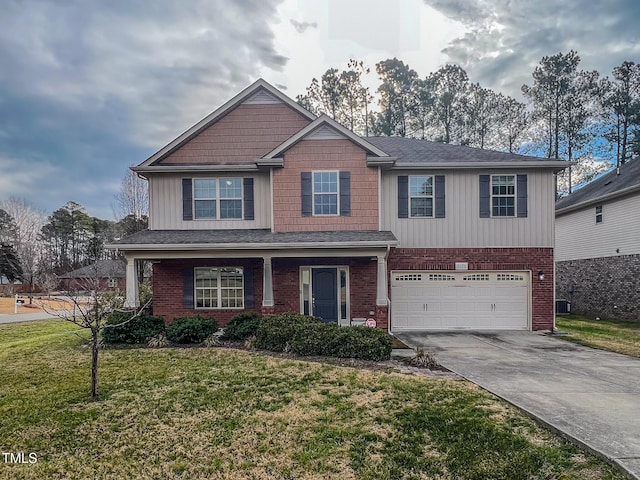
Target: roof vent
(607,183)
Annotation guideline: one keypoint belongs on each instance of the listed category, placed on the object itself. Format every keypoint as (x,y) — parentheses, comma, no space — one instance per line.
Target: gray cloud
(505,39)
(92,87)
(302,27)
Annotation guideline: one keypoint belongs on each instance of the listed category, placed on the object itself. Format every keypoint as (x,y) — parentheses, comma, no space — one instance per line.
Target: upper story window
(217,198)
(221,287)
(421,196)
(599,214)
(325,193)
(503,195)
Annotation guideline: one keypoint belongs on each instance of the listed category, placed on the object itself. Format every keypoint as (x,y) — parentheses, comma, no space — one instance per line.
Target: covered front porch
(338,276)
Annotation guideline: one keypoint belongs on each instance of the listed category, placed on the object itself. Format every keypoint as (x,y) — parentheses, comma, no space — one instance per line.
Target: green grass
(612,335)
(219,413)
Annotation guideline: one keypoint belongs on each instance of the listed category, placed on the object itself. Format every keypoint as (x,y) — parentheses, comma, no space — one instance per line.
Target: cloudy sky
(89,87)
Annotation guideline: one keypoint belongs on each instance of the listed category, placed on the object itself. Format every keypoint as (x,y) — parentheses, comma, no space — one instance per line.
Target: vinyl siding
(578,236)
(462,227)
(165,204)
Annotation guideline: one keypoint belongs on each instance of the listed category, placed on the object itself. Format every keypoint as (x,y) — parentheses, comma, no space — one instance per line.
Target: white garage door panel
(459,300)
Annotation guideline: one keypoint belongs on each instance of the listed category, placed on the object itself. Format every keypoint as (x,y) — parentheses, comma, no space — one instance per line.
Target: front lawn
(616,336)
(218,413)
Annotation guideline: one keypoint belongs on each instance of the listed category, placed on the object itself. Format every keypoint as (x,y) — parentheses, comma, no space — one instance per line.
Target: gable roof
(112,268)
(318,123)
(610,185)
(252,91)
(416,153)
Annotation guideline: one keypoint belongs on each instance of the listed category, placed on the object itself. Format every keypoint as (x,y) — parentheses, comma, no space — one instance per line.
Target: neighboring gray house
(110,274)
(598,246)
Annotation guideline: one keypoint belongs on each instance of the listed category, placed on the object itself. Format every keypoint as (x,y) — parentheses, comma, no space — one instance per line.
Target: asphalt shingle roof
(413,150)
(607,184)
(105,268)
(251,236)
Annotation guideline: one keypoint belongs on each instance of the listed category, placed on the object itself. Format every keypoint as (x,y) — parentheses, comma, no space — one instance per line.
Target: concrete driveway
(591,396)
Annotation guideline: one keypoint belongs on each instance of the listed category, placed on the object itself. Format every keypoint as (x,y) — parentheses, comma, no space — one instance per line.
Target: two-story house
(598,246)
(261,206)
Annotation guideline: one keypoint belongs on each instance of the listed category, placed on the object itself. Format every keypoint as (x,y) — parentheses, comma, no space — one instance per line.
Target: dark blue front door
(325,293)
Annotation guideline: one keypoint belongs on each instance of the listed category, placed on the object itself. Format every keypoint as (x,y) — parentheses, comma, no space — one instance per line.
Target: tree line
(568,113)
(36,248)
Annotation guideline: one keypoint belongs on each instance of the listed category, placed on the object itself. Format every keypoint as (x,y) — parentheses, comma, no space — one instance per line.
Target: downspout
(386,260)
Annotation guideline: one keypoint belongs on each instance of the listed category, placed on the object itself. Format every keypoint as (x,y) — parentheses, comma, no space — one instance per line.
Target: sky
(88,87)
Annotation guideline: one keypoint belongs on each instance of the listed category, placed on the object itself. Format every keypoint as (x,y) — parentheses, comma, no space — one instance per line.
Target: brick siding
(310,155)
(533,259)
(606,287)
(243,135)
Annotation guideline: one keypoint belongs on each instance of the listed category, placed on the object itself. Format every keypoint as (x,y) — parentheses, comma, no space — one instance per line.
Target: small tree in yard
(87,306)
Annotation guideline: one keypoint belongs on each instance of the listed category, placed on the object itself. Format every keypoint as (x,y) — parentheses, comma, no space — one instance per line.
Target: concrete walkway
(590,396)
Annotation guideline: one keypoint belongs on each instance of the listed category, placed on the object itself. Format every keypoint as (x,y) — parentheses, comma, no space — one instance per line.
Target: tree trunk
(94,364)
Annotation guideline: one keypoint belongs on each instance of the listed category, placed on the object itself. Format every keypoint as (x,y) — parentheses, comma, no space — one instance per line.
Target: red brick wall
(243,135)
(362,283)
(168,288)
(533,259)
(309,155)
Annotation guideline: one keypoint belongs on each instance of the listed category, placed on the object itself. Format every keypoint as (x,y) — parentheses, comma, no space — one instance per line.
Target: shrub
(276,332)
(158,341)
(191,329)
(346,342)
(242,326)
(138,330)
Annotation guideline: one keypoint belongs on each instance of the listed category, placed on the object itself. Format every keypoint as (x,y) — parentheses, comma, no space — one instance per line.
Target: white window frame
(514,195)
(113,282)
(432,196)
(313,193)
(599,214)
(218,199)
(218,288)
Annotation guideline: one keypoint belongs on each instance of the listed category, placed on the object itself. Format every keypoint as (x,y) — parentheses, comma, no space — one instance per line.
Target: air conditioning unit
(563,307)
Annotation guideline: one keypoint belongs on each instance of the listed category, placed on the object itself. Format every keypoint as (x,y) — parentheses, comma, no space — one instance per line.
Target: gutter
(593,201)
(555,164)
(248,246)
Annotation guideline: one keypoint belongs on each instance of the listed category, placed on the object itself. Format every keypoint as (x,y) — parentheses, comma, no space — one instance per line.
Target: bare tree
(28,223)
(87,306)
(132,200)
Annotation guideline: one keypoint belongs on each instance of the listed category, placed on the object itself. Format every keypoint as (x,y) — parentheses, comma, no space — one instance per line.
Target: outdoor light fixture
(540,275)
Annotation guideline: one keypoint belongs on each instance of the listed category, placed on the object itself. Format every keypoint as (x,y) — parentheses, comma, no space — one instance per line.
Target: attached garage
(465,300)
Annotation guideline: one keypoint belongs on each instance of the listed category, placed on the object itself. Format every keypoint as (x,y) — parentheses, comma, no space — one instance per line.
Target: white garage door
(459,300)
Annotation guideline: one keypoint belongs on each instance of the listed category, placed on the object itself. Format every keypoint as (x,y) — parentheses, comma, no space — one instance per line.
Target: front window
(503,195)
(421,196)
(221,287)
(325,193)
(217,198)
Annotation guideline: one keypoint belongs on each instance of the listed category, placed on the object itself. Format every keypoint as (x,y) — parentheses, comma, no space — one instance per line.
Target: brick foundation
(606,287)
(532,259)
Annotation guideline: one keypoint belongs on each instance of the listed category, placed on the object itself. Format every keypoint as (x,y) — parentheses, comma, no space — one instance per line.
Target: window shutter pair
(188,288)
(306,196)
(187,198)
(521,196)
(439,199)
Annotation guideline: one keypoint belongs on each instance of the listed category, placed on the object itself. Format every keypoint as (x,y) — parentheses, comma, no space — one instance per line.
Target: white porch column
(267,283)
(132,300)
(382,292)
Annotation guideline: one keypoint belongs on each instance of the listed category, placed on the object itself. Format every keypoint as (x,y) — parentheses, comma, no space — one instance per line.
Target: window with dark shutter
(187,288)
(440,196)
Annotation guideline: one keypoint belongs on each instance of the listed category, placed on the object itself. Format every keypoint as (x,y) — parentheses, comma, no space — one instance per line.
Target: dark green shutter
(307,200)
(248,288)
(187,199)
(522,195)
(440,196)
(403,196)
(345,194)
(247,184)
(187,288)
(485,196)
